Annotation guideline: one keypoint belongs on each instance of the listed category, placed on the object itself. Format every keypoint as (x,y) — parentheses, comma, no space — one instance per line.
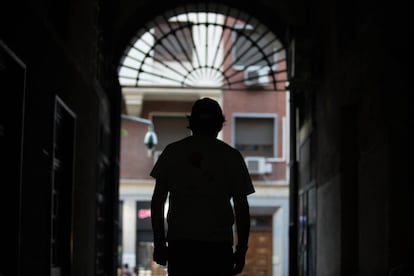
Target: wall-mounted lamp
(150,139)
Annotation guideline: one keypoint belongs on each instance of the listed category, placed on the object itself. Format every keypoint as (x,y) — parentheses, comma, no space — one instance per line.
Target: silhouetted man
(201,175)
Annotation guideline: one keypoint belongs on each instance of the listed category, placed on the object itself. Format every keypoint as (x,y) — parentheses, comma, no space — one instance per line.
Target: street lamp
(150,139)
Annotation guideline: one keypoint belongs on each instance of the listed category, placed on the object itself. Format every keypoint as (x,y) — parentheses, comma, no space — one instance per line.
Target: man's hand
(241,208)
(239,259)
(160,255)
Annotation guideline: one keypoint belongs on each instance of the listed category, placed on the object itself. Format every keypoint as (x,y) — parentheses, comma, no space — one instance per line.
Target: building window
(170,129)
(174,42)
(253,47)
(256,135)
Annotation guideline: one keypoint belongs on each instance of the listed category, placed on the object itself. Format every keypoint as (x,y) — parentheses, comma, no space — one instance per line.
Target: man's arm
(157,218)
(241,210)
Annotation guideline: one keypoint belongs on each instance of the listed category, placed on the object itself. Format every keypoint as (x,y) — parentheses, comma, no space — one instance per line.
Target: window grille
(206,45)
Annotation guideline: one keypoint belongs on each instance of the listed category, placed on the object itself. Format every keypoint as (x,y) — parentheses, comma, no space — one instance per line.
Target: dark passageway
(350,186)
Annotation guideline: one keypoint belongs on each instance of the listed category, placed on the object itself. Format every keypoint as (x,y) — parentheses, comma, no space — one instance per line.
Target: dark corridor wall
(360,114)
(63,56)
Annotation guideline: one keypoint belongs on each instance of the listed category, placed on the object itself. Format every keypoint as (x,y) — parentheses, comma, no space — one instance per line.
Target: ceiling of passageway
(204,45)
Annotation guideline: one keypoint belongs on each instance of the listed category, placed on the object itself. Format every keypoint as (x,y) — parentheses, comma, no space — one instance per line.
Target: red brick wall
(257,102)
(135,162)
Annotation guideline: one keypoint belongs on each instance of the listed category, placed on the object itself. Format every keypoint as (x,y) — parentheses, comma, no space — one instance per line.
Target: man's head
(206,117)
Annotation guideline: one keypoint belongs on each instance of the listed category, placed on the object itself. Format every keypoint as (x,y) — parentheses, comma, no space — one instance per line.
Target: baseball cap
(206,113)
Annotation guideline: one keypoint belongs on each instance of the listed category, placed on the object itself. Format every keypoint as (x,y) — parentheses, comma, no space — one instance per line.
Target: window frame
(182,56)
(178,114)
(238,67)
(247,115)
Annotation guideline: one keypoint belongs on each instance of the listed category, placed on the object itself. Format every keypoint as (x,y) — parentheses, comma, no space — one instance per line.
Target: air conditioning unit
(256,76)
(258,165)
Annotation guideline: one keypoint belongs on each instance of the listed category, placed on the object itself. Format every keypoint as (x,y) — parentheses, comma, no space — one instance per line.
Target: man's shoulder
(228,149)
(178,143)
(225,146)
(186,143)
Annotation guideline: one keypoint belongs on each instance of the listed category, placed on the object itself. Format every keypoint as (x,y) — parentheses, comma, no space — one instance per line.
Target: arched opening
(209,46)
(215,51)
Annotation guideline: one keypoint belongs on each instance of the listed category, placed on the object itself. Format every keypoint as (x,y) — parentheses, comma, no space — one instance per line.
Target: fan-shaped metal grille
(207,45)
